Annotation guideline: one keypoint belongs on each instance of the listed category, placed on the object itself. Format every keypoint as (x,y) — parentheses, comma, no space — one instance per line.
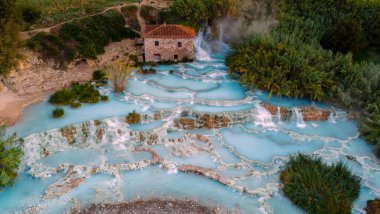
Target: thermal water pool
(112,161)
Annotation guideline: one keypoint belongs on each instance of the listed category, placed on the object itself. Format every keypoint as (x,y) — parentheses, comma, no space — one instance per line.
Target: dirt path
(29,34)
(139,17)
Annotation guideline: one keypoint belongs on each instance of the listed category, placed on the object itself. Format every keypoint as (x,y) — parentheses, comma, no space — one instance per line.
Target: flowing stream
(100,158)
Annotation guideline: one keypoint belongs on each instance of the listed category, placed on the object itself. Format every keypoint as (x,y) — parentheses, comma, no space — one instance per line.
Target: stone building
(168,43)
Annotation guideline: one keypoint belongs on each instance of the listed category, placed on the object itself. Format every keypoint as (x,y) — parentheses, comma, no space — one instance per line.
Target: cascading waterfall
(263,117)
(202,50)
(278,113)
(332,117)
(297,114)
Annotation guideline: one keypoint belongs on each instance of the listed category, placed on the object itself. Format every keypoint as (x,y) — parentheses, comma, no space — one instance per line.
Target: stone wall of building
(168,48)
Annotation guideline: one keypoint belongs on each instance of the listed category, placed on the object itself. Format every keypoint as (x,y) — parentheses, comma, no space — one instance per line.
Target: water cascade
(202,49)
(263,117)
(297,115)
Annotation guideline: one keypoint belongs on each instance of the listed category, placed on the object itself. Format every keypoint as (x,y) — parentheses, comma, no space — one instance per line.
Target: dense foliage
(77,93)
(10,26)
(58,113)
(10,157)
(199,12)
(133,118)
(318,187)
(82,39)
(309,54)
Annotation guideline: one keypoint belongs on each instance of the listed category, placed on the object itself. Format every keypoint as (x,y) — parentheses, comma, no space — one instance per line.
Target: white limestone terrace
(93,156)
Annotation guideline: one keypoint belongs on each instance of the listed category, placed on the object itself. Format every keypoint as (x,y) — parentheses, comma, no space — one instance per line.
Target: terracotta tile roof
(168,31)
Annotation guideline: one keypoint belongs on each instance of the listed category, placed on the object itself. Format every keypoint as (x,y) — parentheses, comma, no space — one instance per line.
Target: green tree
(348,36)
(10,157)
(10,26)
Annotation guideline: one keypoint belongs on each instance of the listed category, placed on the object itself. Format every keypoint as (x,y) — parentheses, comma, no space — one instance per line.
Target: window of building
(176,57)
(157,43)
(179,44)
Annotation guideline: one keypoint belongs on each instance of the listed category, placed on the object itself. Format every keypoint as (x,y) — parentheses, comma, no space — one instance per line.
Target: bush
(63,97)
(151,15)
(30,14)
(99,75)
(58,113)
(283,67)
(317,187)
(86,93)
(133,118)
(10,158)
(75,105)
(373,206)
(104,98)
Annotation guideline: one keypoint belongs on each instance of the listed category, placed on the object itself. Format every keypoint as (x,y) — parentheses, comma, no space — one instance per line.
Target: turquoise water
(106,152)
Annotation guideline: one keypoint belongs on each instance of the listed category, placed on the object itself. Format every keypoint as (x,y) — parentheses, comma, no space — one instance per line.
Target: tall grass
(318,187)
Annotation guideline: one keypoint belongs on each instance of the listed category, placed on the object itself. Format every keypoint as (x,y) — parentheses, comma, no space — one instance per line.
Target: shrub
(133,118)
(104,98)
(284,67)
(10,158)
(58,113)
(317,187)
(30,14)
(75,104)
(63,97)
(373,206)
(118,73)
(151,15)
(99,75)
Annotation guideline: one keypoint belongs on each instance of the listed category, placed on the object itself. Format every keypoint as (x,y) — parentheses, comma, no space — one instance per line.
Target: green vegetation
(57,11)
(30,14)
(10,26)
(100,78)
(58,113)
(317,187)
(104,98)
(194,13)
(130,13)
(313,53)
(10,157)
(133,118)
(118,74)
(81,39)
(373,206)
(75,104)
(76,94)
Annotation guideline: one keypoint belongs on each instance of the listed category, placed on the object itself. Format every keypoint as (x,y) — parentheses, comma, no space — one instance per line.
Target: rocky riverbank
(35,78)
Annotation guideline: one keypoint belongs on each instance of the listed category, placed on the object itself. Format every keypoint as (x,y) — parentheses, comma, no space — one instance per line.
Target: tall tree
(10,26)
(10,157)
